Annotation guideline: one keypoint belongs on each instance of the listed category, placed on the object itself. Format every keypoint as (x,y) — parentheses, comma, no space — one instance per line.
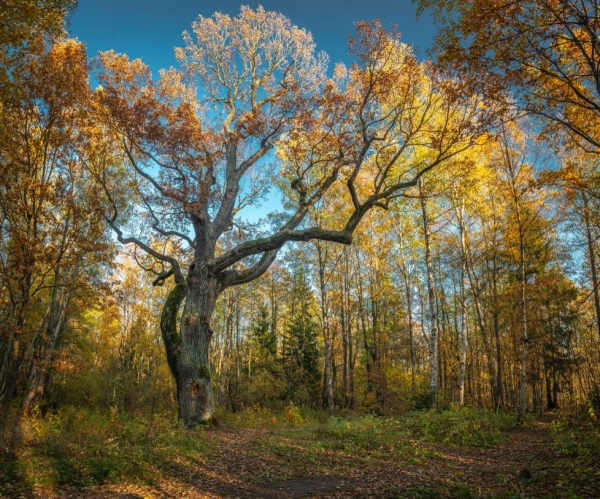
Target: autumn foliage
(256,237)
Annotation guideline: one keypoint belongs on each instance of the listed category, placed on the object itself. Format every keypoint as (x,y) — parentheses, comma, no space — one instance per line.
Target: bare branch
(235,277)
(275,242)
(162,277)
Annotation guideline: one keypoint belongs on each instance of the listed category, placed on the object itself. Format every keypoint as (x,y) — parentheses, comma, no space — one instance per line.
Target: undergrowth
(578,438)
(312,439)
(82,448)
(466,426)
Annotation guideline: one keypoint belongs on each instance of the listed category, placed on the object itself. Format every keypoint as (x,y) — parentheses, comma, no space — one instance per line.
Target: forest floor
(364,458)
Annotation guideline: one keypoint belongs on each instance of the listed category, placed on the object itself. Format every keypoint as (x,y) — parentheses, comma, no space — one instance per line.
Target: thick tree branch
(162,277)
(148,177)
(143,246)
(225,214)
(236,277)
(175,267)
(275,242)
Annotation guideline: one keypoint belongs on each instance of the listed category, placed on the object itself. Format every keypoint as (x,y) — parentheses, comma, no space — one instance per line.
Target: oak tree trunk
(188,349)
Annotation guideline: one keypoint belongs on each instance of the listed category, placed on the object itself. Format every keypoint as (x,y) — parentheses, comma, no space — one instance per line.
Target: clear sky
(149,29)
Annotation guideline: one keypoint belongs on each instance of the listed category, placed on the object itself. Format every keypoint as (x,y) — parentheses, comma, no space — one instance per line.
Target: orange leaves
(379,122)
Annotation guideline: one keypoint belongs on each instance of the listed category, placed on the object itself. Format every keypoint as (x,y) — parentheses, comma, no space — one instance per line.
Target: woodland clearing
(257,454)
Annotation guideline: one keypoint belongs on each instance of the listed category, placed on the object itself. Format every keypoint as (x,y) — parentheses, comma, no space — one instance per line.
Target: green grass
(466,426)
(346,441)
(577,439)
(457,426)
(81,448)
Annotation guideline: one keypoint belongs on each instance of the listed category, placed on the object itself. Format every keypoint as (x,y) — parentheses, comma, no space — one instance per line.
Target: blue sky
(150,29)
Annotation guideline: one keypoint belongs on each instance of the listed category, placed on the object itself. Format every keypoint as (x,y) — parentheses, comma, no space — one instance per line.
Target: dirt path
(250,464)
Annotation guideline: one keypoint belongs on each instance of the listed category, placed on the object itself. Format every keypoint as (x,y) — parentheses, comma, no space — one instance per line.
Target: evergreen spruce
(301,356)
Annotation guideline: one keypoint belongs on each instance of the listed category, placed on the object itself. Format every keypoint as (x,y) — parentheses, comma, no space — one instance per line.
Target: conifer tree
(301,356)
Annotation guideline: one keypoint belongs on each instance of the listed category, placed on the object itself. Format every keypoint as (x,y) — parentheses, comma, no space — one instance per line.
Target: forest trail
(273,464)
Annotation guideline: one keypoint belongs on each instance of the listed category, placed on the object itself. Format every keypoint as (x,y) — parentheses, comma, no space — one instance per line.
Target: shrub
(461,426)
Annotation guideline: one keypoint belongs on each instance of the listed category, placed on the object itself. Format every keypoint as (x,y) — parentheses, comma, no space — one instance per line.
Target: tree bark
(188,350)
(525,338)
(408,291)
(463,304)
(592,256)
(41,367)
(496,319)
(433,339)
(327,375)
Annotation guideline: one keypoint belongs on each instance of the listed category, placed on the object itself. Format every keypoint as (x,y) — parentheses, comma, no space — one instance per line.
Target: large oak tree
(251,107)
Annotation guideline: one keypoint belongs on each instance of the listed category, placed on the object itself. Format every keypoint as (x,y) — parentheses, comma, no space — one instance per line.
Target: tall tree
(25,26)
(352,135)
(431,296)
(300,353)
(542,56)
(516,173)
(51,221)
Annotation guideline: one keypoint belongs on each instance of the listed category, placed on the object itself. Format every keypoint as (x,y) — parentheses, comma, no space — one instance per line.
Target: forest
(263,274)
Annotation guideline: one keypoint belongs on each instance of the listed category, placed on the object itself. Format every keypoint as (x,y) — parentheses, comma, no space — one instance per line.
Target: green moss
(168,324)
(204,372)
(168,320)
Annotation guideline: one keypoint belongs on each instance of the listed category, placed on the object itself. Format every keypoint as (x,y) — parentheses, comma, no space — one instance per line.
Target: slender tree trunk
(442,333)
(12,349)
(476,290)
(363,323)
(345,354)
(525,338)
(374,350)
(351,349)
(225,374)
(496,318)
(592,256)
(328,378)
(433,341)
(408,291)
(463,304)
(41,368)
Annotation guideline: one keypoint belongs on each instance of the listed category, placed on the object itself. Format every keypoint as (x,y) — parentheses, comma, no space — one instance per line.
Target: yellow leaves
(340,72)
(378,123)
(537,56)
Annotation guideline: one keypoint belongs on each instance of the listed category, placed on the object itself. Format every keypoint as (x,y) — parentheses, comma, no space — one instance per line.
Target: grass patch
(578,440)
(368,434)
(256,417)
(345,441)
(465,426)
(81,448)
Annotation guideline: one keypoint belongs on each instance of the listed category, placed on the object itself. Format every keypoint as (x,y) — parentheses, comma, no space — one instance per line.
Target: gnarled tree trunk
(188,348)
